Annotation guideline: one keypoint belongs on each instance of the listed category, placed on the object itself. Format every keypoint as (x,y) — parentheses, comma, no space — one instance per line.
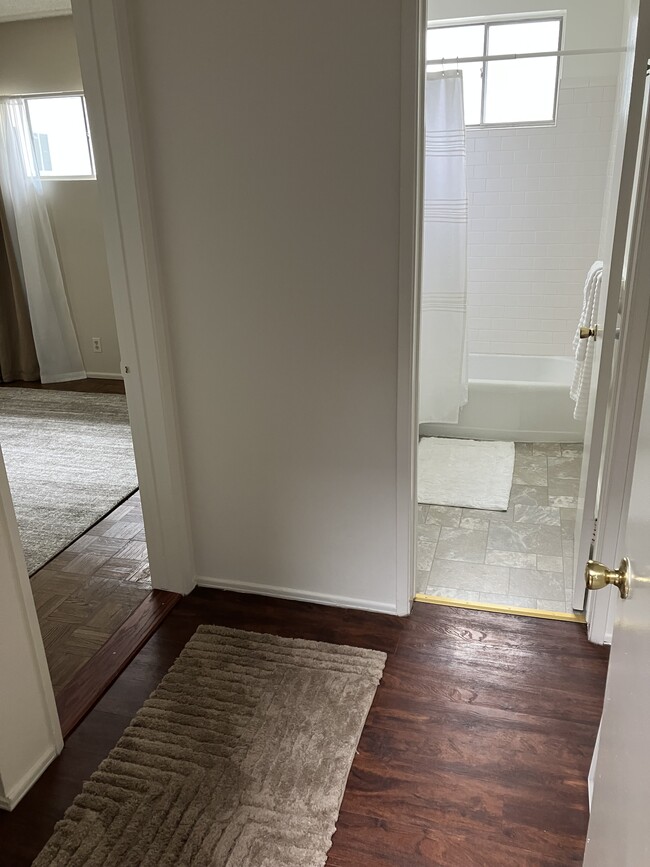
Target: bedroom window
(506,92)
(59,130)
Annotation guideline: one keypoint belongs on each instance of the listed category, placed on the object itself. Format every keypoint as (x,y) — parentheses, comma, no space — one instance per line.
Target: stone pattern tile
(522,557)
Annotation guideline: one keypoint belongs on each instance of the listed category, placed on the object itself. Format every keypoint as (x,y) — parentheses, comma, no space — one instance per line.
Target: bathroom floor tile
(469,576)
(474,523)
(421,580)
(552,605)
(530,470)
(549,563)
(516,559)
(506,599)
(522,557)
(537,515)
(529,495)
(486,516)
(428,532)
(453,593)
(563,502)
(552,450)
(565,468)
(425,552)
(465,544)
(540,585)
(526,538)
(444,516)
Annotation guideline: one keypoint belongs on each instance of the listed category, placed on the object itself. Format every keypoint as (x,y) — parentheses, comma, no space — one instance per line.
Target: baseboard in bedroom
(91,375)
(297,595)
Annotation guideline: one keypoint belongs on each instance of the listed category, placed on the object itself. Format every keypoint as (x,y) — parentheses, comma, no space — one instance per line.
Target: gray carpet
(238,759)
(69,460)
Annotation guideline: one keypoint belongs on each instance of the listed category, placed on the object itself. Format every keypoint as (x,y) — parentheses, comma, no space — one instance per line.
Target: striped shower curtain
(443,323)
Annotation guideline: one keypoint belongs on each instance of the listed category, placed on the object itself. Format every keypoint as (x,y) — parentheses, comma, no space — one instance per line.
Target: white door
(618,828)
(618,206)
(618,832)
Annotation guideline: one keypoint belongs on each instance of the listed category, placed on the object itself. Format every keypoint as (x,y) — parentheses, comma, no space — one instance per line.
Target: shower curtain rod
(574,52)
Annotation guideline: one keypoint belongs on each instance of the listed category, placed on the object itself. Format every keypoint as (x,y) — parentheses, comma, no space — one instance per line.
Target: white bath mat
(467,473)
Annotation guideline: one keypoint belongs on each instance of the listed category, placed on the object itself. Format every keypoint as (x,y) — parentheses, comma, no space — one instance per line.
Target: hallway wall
(273,140)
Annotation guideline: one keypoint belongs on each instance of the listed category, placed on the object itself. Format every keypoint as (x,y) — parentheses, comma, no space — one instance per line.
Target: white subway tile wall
(535,207)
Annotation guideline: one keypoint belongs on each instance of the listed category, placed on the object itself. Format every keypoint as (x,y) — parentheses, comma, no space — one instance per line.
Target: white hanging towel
(443,324)
(584,349)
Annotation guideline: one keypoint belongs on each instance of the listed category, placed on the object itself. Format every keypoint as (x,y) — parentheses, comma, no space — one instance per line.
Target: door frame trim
(105,55)
(414,21)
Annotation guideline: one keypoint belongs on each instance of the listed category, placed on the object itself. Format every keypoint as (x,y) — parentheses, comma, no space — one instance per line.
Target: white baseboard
(91,375)
(13,797)
(297,595)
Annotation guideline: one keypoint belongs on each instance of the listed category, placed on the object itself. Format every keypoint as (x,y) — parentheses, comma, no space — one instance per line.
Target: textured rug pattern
(69,459)
(240,758)
(471,474)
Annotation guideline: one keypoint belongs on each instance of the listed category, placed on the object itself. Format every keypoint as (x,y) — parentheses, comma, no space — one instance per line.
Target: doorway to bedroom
(64,424)
(519,143)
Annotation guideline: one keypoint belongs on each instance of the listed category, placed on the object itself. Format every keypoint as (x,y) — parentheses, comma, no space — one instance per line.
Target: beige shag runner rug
(240,758)
(69,459)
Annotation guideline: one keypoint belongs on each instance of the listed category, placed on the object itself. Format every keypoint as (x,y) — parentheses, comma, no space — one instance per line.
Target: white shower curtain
(443,329)
(55,339)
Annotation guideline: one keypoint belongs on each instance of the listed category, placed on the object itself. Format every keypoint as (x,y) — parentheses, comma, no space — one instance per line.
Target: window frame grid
(91,157)
(490,22)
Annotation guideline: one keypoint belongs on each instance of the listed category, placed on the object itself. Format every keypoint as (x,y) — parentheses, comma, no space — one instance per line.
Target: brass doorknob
(598,576)
(586,332)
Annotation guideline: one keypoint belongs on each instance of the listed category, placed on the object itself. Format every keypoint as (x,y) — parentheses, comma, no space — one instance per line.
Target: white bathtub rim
(429,429)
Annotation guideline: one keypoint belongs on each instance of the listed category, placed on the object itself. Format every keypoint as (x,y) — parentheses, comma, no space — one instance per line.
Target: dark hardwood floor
(475,752)
(94,386)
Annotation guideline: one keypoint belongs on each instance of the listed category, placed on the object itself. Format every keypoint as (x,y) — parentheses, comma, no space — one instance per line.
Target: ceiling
(14,10)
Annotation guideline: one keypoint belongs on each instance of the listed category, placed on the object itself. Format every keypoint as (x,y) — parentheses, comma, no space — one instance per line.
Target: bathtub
(516,397)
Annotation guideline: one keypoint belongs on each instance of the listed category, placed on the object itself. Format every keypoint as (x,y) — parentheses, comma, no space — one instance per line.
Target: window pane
(523,37)
(59,135)
(452,42)
(520,90)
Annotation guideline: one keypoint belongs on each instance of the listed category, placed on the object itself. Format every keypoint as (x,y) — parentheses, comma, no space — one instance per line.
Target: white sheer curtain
(443,331)
(56,343)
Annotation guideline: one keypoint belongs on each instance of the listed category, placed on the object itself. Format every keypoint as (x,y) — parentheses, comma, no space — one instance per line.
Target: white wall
(535,207)
(40,56)
(536,194)
(272,134)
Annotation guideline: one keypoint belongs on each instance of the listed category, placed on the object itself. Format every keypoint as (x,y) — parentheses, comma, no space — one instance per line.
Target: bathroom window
(507,92)
(59,130)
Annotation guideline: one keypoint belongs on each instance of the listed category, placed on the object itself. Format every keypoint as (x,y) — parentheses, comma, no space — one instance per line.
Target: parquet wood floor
(85,593)
(88,590)
(475,752)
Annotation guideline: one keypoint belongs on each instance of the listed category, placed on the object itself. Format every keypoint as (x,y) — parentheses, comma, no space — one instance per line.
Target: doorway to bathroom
(520,139)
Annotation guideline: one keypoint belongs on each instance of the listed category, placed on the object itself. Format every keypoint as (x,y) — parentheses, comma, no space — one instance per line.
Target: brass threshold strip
(501,609)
